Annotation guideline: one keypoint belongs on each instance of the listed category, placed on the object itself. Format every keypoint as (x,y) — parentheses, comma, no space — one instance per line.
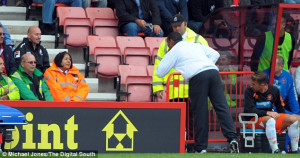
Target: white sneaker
(234,146)
(201,152)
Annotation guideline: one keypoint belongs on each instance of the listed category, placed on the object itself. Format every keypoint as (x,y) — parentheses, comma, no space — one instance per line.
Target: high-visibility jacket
(159,82)
(28,85)
(283,51)
(7,83)
(66,87)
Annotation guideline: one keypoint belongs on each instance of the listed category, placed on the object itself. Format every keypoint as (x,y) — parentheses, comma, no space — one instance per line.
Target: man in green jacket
(8,90)
(30,80)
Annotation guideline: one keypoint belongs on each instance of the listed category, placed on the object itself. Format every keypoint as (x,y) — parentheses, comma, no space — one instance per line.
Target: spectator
(94,3)
(199,9)
(30,80)
(260,99)
(263,49)
(169,8)
(196,63)
(111,4)
(139,16)
(32,45)
(48,9)
(8,90)
(283,80)
(7,38)
(7,55)
(179,24)
(65,81)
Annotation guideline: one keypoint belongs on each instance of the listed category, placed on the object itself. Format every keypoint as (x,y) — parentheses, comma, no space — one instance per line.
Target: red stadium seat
(138,85)
(134,50)
(103,21)
(76,26)
(107,55)
(150,70)
(153,43)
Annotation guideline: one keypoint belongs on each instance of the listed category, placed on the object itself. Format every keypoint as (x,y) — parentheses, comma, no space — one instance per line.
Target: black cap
(178,19)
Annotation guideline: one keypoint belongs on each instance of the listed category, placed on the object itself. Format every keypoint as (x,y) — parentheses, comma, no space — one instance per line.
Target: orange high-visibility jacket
(70,87)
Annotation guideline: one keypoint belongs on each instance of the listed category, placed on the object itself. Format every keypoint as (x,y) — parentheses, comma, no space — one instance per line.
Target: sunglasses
(31,62)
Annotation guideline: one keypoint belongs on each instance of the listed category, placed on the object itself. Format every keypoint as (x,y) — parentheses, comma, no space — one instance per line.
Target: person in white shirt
(196,63)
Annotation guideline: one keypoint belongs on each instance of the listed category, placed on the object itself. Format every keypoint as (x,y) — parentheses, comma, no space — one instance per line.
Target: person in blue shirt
(7,38)
(283,80)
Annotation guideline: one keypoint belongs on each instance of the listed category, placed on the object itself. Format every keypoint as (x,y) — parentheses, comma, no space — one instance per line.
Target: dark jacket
(9,60)
(265,2)
(199,9)
(168,8)
(127,11)
(40,53)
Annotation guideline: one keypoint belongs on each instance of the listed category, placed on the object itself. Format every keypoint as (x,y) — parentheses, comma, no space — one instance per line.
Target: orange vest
(69,87)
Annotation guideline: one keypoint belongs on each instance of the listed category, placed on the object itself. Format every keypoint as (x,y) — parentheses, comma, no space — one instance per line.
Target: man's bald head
(34,35)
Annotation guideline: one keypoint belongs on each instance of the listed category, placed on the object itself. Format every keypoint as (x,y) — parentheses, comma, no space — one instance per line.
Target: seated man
(8,90)
(139,16)
(169,8)
(260,99)
(30,80)
(7,55)
(32,45)
(283,80)
(48,9)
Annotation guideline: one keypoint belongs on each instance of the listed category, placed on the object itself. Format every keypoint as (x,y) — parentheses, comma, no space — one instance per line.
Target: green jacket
(7,83)
(25,85)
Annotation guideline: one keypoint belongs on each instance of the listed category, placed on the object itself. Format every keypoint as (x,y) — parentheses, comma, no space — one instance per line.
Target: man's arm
(291,53)
(183,9)
(122,13)
(156,20)
(279,104)
(257,51)
(46,63)
(164,12)
(167,63)
(292,99)
(12,62)
(297,80)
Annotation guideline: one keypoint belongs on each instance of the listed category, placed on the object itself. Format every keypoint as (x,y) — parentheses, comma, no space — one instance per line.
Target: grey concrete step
(93,84)
(12,13)
(53,52)
(18,27)
(101,97)
(47,40)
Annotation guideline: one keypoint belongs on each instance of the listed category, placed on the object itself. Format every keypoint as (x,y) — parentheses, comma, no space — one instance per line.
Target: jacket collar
(73,70)
(36,72)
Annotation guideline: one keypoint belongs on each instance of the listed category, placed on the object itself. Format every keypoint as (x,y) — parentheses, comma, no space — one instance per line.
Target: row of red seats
(110,52)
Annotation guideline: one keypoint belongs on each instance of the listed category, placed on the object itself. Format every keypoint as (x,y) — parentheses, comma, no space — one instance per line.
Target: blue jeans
(132,29)
(100,3)
(49,5)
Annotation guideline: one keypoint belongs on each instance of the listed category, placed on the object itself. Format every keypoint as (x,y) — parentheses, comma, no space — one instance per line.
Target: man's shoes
(20,3)
(234,146)
(277,151)
(295,152)
(201,152)
(48,29)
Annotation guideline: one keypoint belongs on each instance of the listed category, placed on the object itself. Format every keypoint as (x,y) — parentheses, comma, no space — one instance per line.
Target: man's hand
(273,114)
(5,97)
(5,91)
(141,23)
(160,94)
(156,29)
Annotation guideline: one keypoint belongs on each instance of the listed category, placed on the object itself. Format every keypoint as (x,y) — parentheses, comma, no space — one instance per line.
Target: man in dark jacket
(7,55)
(139,16)
(169,8)
(32,45)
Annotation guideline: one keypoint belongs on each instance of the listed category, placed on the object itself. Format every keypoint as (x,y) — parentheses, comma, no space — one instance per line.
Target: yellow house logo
(119,133)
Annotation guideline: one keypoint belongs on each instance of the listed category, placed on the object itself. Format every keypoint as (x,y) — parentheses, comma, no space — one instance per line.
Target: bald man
(32,45)
(30,80)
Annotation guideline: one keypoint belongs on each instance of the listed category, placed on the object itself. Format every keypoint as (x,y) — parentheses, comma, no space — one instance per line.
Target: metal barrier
(234,86)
